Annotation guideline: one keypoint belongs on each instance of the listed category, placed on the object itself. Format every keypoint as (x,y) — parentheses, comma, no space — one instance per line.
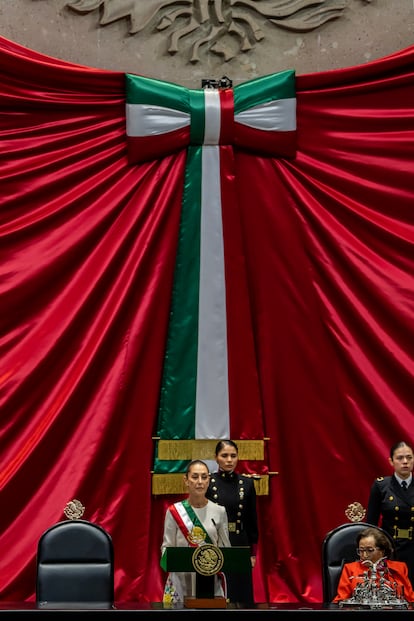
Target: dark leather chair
(75,566)
(338,548)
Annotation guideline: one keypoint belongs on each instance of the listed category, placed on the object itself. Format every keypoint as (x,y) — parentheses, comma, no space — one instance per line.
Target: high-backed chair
(75,565)
(338,548)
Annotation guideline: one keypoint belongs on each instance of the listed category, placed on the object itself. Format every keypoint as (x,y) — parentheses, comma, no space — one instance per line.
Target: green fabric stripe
(194,519)
(141,90)
(176,419)
(197,117)
(163,561)
(262,90)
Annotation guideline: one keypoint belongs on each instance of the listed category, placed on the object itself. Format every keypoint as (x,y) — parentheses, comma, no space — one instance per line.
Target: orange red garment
(352,574)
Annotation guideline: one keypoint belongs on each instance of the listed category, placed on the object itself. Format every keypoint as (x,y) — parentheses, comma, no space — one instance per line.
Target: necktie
(404,485)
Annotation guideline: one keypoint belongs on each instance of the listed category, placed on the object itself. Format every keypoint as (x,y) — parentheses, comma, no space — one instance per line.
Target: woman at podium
(193,522)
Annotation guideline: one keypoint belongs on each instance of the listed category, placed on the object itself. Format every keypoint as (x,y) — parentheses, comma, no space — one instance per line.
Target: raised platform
(155,612)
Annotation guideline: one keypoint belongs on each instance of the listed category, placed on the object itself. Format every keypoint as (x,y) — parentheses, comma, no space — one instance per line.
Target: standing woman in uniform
(391,504)
(236,492)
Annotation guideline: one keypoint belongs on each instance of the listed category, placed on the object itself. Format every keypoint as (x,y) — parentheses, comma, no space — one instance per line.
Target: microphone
(218,534)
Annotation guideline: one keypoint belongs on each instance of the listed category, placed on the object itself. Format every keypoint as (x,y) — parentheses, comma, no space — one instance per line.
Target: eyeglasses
(366,551)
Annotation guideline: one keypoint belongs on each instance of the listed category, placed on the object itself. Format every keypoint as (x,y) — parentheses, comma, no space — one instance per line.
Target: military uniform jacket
(237,493)
(395,505)
(392,508)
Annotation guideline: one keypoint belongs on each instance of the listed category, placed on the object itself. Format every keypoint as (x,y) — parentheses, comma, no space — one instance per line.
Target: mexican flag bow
(210,385)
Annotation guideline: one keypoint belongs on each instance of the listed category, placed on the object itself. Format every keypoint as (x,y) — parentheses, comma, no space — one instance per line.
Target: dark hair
(194,463)
(398,445)
(381,540)
(223,443)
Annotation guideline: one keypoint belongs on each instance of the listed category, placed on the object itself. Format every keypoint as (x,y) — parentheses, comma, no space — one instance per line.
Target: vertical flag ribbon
(210,386)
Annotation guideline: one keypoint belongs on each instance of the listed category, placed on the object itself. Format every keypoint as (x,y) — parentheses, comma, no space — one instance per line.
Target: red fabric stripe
(227,117)
(183,528)
(146,148)
(273,143)
(246,419)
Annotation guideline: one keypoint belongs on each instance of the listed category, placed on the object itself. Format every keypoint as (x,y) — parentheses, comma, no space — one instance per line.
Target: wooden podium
(233,560)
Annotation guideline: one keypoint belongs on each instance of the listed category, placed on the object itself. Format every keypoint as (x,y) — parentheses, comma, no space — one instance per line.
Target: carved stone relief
(221,27)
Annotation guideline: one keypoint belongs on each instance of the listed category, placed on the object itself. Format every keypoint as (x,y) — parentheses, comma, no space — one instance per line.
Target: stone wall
(184,41)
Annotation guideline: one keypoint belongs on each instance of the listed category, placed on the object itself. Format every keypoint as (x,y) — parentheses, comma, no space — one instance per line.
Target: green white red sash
(187,521)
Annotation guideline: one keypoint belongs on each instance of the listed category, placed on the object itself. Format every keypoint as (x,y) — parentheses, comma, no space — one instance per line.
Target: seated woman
(373,546)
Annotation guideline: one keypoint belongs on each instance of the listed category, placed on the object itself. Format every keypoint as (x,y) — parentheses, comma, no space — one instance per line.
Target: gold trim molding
(249,450)
(174,484)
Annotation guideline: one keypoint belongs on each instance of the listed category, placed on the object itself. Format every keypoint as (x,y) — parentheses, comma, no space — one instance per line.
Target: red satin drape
(87,248)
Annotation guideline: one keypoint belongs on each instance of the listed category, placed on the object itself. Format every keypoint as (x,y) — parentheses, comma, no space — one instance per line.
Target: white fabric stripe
(182,511)
(212,113)
(277,115)
(148,120)
(212,418)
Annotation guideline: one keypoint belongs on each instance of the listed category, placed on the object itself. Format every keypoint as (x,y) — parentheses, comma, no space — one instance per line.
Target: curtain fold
(87,253)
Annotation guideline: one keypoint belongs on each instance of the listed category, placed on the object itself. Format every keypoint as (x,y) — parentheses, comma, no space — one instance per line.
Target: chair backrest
(75,564)
(339,547)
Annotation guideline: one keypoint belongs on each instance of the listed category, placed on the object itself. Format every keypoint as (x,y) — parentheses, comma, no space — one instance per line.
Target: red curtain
(87,250)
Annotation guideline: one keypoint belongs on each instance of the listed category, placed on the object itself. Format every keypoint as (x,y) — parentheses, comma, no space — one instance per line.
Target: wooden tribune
(235,560)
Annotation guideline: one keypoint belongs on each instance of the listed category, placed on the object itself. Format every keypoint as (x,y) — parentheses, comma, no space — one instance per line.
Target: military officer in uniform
(237,493)
(391,504)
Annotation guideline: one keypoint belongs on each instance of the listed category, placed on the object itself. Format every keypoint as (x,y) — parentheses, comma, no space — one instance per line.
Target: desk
(129,611)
